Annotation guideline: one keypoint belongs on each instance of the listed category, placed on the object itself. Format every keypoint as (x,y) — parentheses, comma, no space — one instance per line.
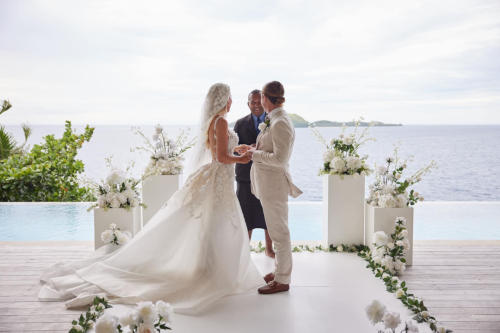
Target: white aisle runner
(329,293)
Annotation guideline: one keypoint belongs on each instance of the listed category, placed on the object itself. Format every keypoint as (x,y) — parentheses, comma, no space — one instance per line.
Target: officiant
(247,129)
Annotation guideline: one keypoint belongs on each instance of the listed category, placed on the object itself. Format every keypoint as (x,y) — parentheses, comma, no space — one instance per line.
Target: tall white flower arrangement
(118,190)
(166,155)
(391,189)
(341,156)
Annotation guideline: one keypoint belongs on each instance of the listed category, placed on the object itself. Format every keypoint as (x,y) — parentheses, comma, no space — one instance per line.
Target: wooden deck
(458,280)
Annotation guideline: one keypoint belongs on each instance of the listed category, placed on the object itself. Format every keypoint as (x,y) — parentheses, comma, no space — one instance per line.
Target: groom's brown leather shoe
(269,277)
(273,287)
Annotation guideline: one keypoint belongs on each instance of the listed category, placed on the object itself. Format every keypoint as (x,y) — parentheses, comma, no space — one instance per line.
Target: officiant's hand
(241,149)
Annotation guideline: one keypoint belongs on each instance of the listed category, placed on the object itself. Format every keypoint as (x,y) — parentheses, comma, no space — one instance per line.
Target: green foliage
(8,145)
(49,172)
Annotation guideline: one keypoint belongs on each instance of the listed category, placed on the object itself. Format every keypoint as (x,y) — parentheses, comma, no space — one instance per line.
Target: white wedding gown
(191,253)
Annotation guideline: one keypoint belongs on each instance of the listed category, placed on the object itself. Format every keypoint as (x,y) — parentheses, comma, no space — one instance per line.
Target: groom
(271,182)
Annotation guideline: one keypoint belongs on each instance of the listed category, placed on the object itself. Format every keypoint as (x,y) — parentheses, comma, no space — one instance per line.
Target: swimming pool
(433,220)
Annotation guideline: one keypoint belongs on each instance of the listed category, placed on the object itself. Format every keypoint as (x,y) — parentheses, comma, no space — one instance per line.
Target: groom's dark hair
(253,92)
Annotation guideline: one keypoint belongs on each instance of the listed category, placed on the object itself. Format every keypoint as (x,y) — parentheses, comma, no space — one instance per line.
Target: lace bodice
(231,142)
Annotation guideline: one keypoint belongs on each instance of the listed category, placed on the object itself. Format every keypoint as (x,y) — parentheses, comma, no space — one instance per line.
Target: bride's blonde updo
(275,92)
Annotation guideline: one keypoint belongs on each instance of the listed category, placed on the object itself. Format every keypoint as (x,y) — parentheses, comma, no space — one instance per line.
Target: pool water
(433,220)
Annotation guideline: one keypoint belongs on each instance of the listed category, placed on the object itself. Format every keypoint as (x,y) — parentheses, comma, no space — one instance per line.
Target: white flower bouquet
(146,317)
(115,236)
(341,156)
(166,155)
(390,190)
(118,190)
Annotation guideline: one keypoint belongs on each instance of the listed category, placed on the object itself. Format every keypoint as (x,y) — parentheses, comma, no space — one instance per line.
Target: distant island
(299,122)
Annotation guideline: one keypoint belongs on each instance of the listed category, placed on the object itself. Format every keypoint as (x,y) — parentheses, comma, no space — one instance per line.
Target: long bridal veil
(192,252)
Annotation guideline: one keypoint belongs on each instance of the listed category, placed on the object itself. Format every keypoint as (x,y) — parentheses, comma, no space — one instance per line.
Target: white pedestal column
(383,219)
(156,190)
(343,209)
(126,220)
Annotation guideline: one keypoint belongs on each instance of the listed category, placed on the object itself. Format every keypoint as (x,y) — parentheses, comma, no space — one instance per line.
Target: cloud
(122,62)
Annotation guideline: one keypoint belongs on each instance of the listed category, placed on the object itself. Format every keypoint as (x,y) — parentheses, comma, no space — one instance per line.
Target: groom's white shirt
(273,151)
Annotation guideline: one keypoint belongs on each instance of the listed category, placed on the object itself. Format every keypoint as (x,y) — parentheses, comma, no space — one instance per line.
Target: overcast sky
(146,62)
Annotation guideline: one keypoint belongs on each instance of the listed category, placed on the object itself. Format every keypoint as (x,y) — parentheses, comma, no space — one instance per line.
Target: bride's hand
(245,158)
(241,149)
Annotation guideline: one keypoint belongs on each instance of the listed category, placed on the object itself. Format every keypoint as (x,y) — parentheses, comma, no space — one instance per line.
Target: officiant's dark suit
(247,130)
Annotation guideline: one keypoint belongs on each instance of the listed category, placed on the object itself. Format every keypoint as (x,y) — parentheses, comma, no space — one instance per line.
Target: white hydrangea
(375,312)
(328,156)
(130,320)
(106,324)
(391,320)
(147,311)
(107,236)
(353,163)
(338,164)
(380,238)
(165,310)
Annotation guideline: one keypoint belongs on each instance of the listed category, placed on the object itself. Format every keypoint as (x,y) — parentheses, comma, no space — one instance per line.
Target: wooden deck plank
(458,280)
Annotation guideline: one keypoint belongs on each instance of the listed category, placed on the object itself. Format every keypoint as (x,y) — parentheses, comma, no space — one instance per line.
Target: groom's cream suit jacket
(270,160)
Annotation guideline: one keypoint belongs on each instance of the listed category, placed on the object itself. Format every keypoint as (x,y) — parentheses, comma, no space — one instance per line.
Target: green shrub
(49,172)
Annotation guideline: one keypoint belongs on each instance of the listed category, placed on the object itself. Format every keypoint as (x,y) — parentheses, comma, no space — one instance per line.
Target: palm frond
(7,143)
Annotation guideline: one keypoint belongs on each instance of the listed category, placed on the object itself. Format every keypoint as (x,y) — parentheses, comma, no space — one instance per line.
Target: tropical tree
(8,145)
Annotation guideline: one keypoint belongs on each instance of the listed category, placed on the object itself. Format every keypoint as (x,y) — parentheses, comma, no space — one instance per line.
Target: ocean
(468,157)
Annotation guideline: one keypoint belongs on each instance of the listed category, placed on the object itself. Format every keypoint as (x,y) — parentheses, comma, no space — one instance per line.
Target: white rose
(147,312)
(375,312)
(328,156)
(395,280)
(107,236)
(380,238)
(424,314)
(385,276)
(377,259)
(400,293)
(165,310)
(262,126)
(77,327)
(390,245)
(340,248)
(400,243)
(106,324)
(391,320)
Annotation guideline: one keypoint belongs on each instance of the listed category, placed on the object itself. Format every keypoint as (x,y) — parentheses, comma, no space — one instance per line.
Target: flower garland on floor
(145,318)
(391,254)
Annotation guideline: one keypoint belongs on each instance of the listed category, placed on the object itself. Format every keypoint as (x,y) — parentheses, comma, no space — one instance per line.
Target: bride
(192,252)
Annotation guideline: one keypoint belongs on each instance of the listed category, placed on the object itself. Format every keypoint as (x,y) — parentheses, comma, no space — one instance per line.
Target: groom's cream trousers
(272,183)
